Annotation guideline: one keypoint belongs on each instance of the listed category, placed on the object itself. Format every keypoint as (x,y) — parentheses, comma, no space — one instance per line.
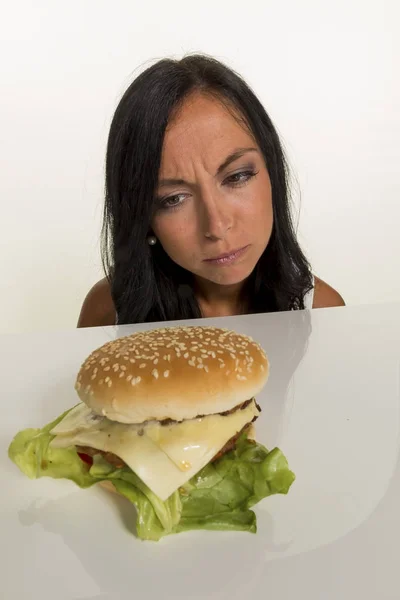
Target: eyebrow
(235,155)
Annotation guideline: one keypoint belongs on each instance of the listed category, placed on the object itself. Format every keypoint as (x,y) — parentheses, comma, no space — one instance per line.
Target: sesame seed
(101,381)
(93,376)
(222,366)
(109,383)
(155,373)
(121,375)
(142,366)
(129,377)
(227,372)
(192,363)
(186,355)
(166,373)
(200,366)
(107,379)
(155,361)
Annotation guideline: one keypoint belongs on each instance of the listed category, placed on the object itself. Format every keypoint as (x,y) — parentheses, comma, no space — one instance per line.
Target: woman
(197,214)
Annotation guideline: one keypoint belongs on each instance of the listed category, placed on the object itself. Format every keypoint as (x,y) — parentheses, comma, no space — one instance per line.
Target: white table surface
(332,406)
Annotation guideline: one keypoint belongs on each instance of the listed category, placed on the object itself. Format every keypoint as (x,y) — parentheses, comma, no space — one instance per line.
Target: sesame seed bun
(172,373)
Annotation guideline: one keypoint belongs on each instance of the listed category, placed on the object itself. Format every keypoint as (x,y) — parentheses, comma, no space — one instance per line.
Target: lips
(228,257)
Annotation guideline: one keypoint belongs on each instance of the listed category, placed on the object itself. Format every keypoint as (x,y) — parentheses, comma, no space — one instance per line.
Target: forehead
(203,129)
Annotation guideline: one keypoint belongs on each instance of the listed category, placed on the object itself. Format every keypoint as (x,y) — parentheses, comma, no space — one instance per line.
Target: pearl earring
(152,240)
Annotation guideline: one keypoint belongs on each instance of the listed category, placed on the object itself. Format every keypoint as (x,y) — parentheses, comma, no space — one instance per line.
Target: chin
(229,276)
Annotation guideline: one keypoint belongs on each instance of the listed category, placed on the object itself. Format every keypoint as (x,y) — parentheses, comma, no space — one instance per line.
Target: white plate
(332,405)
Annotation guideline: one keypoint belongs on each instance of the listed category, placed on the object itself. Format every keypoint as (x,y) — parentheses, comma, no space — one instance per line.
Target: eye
(171,202)
(241,178)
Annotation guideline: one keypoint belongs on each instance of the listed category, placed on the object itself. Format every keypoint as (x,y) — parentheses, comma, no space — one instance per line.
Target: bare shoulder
(98,307)
(325,296)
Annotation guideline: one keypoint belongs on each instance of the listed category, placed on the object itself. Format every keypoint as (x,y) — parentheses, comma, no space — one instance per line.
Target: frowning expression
(214,204)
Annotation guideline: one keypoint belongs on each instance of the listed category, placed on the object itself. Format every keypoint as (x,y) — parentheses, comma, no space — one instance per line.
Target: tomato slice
(86,458)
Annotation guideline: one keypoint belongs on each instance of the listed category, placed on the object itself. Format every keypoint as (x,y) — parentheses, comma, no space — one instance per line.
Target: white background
(327,73)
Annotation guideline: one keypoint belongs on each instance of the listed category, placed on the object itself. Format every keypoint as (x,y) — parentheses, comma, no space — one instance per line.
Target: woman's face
(214,215)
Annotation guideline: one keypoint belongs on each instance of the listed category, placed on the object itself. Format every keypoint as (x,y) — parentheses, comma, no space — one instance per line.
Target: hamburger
(166,419)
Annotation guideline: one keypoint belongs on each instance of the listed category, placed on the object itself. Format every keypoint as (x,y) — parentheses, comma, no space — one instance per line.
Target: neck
(219,300)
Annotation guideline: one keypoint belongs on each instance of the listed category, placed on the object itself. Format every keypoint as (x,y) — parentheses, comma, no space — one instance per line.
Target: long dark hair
(146,285)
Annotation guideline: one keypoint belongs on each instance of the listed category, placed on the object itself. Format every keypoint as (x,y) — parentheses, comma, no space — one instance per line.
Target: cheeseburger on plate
(166,420)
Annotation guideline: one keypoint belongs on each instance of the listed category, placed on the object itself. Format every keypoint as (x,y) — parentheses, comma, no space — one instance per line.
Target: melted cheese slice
(163,456)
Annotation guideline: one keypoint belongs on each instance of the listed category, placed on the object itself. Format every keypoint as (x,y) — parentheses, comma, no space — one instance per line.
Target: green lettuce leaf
(219,497)
(31,452)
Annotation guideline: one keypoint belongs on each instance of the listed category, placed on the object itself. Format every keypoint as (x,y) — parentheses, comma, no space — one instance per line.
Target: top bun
(172,373)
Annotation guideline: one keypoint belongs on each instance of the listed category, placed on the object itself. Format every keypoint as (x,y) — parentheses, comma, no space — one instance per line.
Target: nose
(216,216)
